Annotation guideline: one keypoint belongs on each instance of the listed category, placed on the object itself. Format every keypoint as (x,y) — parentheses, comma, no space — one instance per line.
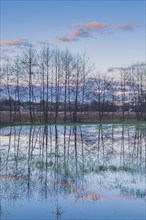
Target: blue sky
(111,32)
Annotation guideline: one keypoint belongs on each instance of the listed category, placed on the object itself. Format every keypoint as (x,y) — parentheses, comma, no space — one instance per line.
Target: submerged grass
(113,168)
(43,166)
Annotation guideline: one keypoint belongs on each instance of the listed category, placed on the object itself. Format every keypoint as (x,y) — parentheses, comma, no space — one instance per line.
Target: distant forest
(51,82)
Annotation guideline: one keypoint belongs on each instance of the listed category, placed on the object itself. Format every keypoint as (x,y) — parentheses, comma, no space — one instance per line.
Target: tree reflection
(63,160)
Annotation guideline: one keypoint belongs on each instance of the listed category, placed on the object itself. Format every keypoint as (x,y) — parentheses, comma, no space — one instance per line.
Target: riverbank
(84,118)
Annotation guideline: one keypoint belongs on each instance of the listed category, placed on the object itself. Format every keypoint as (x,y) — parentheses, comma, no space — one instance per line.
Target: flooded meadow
(73,172)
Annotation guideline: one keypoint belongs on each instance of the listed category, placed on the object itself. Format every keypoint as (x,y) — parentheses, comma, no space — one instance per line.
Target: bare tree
(29,63)
(7,83)
(46,56)
(18,83)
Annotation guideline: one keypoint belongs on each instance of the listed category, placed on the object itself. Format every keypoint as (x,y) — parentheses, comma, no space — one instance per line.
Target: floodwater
(73,172)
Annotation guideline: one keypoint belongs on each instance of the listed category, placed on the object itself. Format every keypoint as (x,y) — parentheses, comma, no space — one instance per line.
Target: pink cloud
(66,38)
(127,26)
(80,33)
(92,25)
(14,43)
(73,36)
(85,30)
(97,26)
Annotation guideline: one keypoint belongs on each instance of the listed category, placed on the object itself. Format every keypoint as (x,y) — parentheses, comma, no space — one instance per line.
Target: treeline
(52,80)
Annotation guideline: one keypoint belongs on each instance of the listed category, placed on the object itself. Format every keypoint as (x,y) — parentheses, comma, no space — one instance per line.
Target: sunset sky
(112,33)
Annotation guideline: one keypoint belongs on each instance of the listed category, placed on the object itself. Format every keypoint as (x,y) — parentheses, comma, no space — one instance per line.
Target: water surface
(72,172)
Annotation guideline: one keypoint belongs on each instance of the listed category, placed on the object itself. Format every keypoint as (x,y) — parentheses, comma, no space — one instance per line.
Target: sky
(112,33)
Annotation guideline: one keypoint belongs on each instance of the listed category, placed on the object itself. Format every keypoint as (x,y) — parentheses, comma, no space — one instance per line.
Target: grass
(129,122)
(43,166)
(113,169)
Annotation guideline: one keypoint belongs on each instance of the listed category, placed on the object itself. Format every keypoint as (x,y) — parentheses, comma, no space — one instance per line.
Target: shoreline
(113,122)
(82,118)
